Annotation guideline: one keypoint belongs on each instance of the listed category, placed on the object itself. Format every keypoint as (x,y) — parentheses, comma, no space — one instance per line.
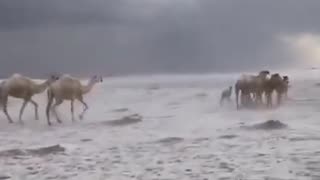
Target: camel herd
(253,87)
(59,88)
(250,88)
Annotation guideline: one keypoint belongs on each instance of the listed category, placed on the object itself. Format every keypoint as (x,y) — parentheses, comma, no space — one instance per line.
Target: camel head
(263,74)
(286,79)
(52,78)
(54,75)
(276,77)
(96,79)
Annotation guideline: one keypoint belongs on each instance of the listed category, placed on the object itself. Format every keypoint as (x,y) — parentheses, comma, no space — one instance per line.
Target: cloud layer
(150,36)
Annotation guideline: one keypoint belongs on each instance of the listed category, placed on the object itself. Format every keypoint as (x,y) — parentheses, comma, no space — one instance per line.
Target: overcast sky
(152,36)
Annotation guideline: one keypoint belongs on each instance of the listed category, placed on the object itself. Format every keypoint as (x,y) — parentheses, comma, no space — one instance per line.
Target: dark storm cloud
(144,36)
(18,14)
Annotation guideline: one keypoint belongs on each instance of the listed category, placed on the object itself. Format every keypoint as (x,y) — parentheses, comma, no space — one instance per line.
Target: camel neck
(86,89)
(39,88)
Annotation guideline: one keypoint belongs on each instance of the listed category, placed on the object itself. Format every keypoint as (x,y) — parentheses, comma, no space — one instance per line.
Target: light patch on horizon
(304,47)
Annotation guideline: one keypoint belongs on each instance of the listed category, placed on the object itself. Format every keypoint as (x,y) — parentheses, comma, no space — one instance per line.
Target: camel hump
(18,78)
(246,77)
(276,75)
(264,72)
(67,77)
(68,81)
(16,75)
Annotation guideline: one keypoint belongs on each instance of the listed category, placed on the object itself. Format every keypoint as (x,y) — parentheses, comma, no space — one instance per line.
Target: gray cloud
(145,36)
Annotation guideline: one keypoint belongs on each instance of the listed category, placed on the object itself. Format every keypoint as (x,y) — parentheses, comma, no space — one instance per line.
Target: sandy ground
(167,127)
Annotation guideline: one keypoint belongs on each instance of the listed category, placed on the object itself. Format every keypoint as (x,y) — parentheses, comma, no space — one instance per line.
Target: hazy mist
(87,37)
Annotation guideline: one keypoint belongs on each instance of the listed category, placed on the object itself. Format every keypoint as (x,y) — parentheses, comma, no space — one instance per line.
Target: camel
(250,84)
(278,84)
(68,88)
(226,95)
(22,87)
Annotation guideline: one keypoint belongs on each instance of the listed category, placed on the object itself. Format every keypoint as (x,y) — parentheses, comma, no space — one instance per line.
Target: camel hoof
(59,121)
(37,118)
(11,122)
(80,117)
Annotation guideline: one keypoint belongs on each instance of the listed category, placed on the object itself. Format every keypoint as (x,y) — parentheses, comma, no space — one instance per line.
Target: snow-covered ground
(177,131)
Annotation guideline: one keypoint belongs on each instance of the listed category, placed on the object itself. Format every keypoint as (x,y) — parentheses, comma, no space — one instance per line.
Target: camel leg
(279,95)
(35,109)
(263,97)
(25,102)
(286,95)
(254,97)
(248,100)
(237,96)
(221,101)
(269,100)
(57,103)
(5,108)
(84,109)
(50,101)
(72,110)
(243,101)
(259,98)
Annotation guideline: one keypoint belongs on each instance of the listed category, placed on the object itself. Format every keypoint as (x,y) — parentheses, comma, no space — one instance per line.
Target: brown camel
(22,87)
(68,88)
(243,85)
(250,84)
(278,84)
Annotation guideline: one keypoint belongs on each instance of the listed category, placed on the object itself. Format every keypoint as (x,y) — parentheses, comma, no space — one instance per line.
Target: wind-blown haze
(155,36)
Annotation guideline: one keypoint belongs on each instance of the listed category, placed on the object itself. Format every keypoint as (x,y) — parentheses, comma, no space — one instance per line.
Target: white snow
(184,133)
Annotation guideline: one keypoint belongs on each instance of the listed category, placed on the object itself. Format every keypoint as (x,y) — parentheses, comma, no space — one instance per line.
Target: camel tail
(50,100)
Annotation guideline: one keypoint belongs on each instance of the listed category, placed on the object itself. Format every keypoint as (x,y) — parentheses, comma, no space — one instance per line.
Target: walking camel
(22,87)
(68,88)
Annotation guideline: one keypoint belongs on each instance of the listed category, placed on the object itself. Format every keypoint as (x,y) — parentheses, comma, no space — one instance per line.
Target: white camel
(22,87)
(68,88)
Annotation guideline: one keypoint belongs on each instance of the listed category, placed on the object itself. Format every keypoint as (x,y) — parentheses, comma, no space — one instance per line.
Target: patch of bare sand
(268,125)
(126,120)
(37,151)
